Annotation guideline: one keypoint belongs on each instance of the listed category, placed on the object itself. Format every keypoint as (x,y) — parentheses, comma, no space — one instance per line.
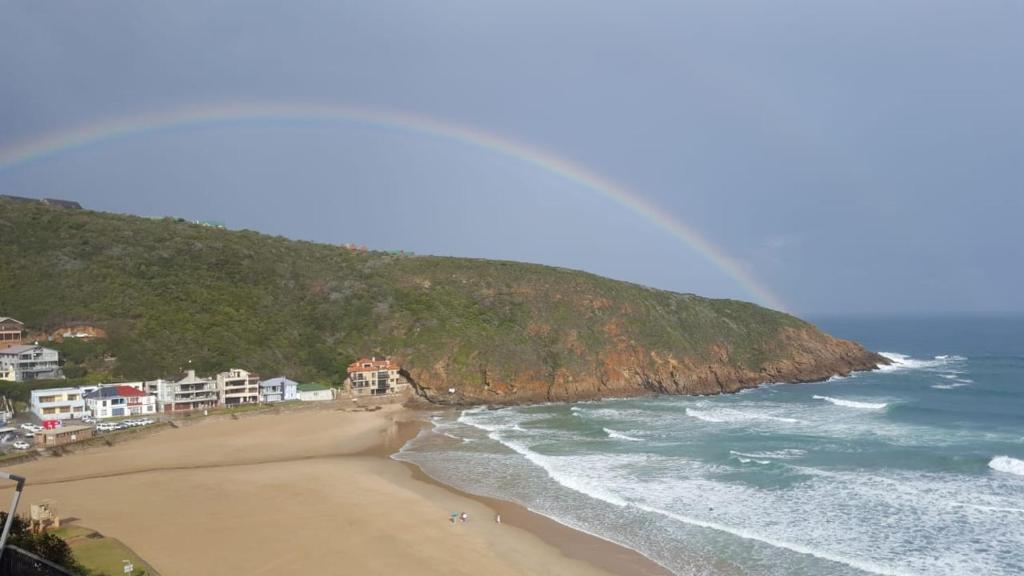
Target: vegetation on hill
(169,292)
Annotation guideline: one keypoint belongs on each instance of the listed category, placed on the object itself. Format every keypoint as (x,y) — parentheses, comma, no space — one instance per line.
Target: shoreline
(304,492)
(573,542)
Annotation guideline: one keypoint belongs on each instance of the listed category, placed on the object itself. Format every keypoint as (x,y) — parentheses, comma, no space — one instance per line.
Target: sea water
(917,468)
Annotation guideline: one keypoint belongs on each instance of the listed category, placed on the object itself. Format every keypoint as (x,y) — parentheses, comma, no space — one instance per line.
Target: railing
(17,562)
(13,560)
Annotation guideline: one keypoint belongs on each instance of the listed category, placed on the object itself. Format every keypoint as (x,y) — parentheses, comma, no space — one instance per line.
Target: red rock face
(799,355)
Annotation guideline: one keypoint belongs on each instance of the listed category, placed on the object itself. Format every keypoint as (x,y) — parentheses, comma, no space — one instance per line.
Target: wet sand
(309,491)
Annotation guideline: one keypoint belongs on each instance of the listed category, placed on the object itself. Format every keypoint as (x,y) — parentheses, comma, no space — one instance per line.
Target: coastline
(574,543)
(304,492)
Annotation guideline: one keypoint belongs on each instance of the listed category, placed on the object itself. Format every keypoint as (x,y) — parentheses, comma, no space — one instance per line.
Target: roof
(22,348)
(8,318)
(374,362)
(278,381)
(114,392)
(44,391)
(312,387)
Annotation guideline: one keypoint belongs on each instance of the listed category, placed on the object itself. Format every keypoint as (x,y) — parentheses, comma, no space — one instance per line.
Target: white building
(278,389)
(237,386)
(57,403)
(187,392)
(315,392)
(117,400)
(29,362)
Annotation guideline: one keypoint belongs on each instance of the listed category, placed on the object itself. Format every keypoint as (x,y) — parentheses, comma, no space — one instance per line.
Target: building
(374,377)
(237,387)
(315,392)
(57,403)
(186,393)
(278,389)
(11,331)
(22,363)
(117,400)
(63,435)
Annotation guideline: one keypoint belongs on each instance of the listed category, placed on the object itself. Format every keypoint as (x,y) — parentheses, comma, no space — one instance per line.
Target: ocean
(915,469)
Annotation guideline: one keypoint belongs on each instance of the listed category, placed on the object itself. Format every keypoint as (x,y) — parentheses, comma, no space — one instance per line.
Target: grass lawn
(100,554)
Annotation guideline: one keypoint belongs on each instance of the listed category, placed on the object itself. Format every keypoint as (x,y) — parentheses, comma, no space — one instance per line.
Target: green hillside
(168,292)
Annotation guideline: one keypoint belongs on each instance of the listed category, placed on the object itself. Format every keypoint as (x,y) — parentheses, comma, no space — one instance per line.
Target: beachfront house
(315,392)
(23,363)
(63,435)
(237,387)
(117,400)
(185,393)
(374,376)
(57,403)
(278,389)
(10,332)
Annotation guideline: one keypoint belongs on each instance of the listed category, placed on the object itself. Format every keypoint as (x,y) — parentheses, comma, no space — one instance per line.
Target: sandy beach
(305,492)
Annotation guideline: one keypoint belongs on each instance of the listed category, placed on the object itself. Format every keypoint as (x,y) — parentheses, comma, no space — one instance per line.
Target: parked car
(106,427)
(29,434)
(21,445)
(27,426)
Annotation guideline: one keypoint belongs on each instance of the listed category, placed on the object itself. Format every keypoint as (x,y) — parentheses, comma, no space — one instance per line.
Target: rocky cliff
(168,293)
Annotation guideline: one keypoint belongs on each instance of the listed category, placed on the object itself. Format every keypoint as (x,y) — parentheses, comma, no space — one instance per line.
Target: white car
(21,445)
(27,426)
(106,427)
(29,434)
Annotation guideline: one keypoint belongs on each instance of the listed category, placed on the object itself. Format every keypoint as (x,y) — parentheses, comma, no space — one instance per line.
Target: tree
(44,545)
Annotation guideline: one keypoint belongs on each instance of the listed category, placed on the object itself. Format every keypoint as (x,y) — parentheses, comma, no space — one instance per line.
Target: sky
(846,157)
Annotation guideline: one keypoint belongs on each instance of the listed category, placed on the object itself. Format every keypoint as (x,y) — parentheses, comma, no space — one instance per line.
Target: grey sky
(854,156)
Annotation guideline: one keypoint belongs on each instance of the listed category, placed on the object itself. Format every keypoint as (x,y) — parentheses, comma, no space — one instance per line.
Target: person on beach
(497,518)
(454,516)
(465,517)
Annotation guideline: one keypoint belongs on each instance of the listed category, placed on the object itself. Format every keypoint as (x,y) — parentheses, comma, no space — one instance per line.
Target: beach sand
(302,492)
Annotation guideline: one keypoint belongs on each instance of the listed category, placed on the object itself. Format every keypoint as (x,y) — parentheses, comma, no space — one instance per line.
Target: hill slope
(168,292)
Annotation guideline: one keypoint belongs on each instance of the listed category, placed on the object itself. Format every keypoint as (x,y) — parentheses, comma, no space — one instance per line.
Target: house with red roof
(119,400)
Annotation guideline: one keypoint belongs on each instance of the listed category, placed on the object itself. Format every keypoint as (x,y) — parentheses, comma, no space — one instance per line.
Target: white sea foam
(786,454)
(1007,464)
(949,386)
(730,415)
(829,514)
(852,403)
(621,436)
(905,362)
(749,460)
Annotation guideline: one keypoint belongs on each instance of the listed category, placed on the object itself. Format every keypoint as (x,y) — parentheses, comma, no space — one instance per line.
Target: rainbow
(110,129)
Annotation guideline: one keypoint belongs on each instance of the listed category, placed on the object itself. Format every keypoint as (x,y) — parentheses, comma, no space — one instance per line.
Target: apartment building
(23,363)
(374,377)
(237,387)
(185,393)
(57,403)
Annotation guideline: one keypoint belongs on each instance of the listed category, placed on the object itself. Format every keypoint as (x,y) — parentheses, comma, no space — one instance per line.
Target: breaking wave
(786,454)
(729,415)
(852,403)
(905,362)
(1008,465)
(619,435)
